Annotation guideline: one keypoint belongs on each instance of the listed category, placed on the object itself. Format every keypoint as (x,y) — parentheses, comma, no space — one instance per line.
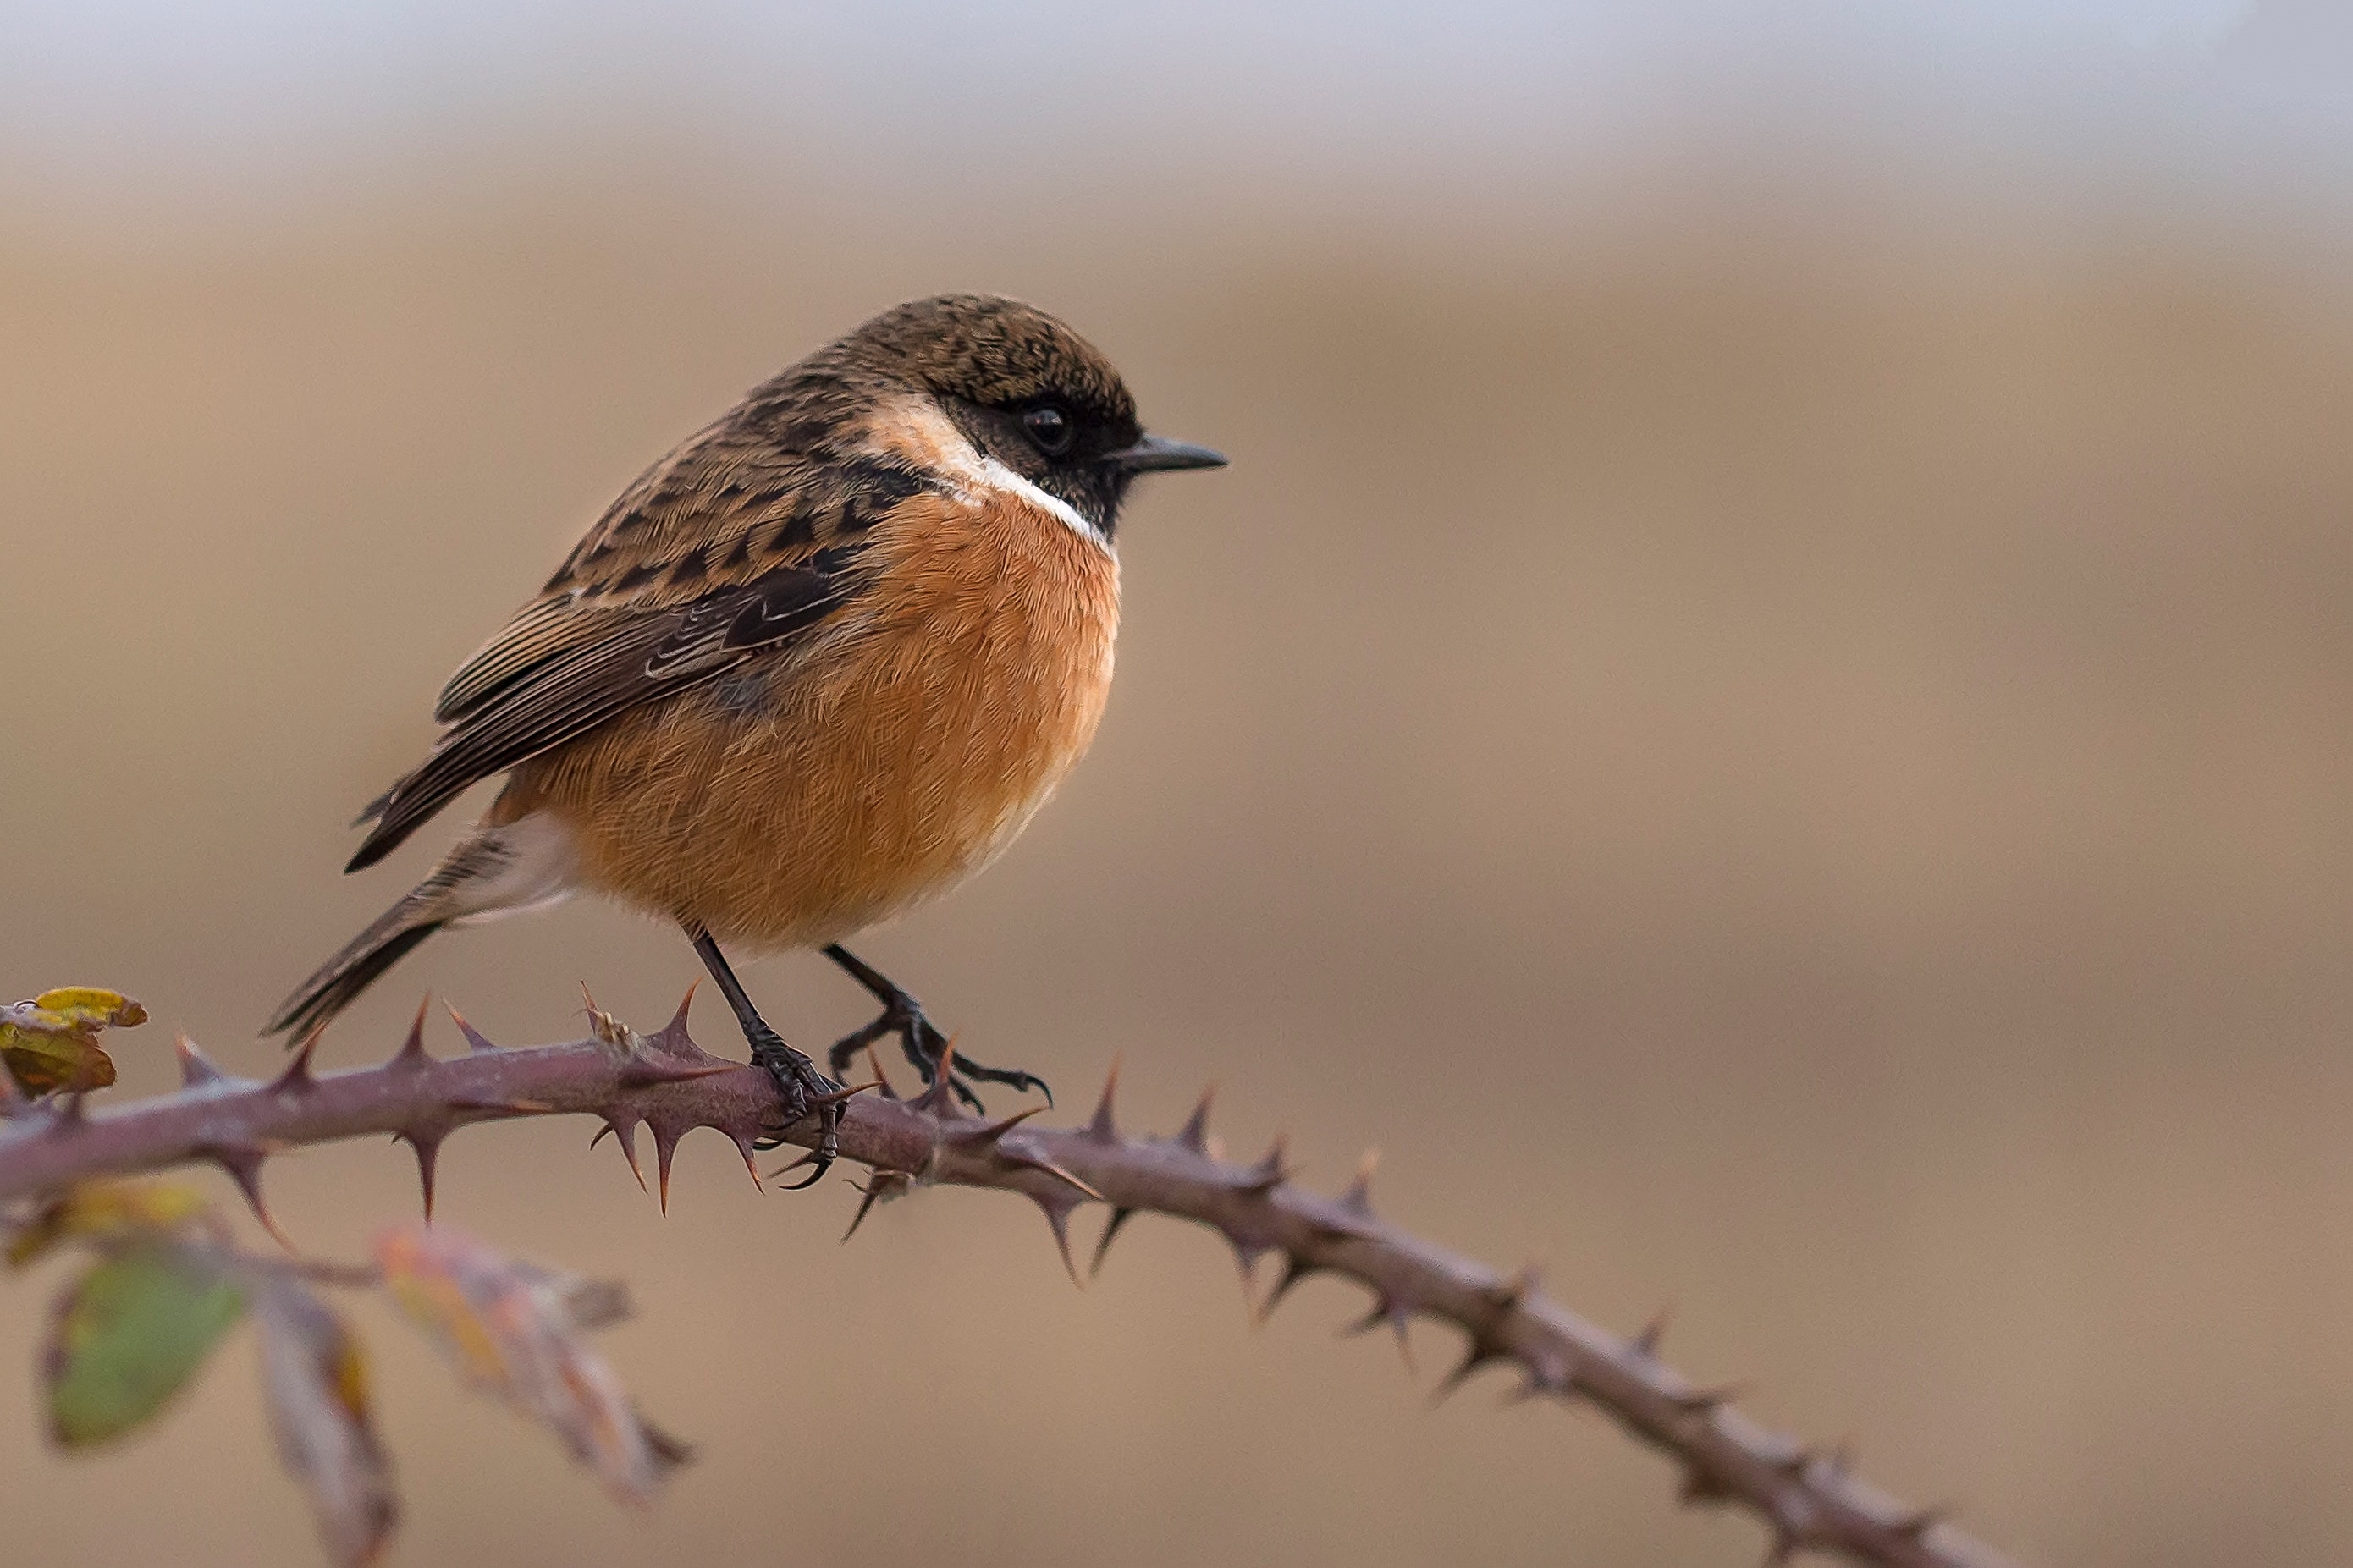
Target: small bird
(820,662)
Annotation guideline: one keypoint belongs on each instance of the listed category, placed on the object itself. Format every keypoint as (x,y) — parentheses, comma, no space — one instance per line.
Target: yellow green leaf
(50,1043)
(128,1334)
(88,1006)
(110,1210)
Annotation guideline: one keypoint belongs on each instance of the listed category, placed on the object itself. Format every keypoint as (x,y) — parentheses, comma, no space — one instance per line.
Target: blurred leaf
(515,1331)
(316,1382)
(128,1334)
(109,1211)
(50,1043)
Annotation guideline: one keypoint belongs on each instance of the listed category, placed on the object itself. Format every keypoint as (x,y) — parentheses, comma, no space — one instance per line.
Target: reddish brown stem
(1806,1500)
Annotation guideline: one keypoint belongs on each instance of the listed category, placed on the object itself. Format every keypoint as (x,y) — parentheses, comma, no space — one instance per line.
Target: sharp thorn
(1699,1487)
(748,1148)
(678,1019)
(243,1164)
(1398,1326)
(665,1145)
(880,1187)
(1270,1171)
(1195,1133)
(1111,1229)
(1246,1257)
(865,1206)
(1038,1162)
(625,1138)
(1358,1199)
(428,1149)
(196,1069)
(875,1061)
(1646,1343)
(297,1076)
(1294,1269)
(819,1101)
(939,1100)
(412,1049)
(1396,1314)
(990,1132)
(1058,1218)
(1102,1129)
(475,1039)
(1474,1356)
(1780,1549)
(668,1053)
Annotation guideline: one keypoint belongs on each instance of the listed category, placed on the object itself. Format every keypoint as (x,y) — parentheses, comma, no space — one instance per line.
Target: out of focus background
(1766,707)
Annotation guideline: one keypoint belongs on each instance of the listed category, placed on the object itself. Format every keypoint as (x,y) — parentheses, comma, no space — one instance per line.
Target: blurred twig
(1806,1500)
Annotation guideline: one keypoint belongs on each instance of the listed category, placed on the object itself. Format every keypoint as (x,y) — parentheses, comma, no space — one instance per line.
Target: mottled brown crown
(970,351)
(993,351)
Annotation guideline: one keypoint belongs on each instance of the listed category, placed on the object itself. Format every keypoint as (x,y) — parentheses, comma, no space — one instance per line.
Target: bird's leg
(804,1088)
(903,1016)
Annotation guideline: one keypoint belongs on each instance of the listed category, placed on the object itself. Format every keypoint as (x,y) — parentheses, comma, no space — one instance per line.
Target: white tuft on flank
(528,864)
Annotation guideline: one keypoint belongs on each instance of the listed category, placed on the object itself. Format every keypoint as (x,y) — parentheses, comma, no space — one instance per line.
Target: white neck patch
(996,476)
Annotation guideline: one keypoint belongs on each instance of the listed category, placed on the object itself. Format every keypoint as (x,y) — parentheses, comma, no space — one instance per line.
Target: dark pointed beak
(1157,452)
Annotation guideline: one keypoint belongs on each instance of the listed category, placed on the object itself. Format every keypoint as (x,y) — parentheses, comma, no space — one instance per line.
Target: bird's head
(1022,389)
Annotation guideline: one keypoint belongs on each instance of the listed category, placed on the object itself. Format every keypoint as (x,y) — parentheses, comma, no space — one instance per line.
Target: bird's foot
(924,1046)
(807,1092)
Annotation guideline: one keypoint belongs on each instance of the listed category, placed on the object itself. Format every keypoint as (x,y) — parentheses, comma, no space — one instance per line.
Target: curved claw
(824,1163)
(1015,1078)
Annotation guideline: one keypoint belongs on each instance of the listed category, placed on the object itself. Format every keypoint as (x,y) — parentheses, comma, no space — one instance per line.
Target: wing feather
(572,673)
(733,544)
(543,630)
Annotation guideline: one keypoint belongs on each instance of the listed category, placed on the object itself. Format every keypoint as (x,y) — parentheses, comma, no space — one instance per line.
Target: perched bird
(821,661)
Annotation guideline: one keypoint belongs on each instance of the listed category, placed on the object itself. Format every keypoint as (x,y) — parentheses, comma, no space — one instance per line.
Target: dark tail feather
(342,977)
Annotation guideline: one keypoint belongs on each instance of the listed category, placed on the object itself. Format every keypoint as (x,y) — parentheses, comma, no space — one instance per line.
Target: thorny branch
(1806,1500)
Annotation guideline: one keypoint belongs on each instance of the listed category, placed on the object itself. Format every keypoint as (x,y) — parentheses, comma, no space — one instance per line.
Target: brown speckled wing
(719,552)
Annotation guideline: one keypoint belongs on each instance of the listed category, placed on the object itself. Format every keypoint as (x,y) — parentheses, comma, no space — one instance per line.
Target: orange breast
(794,803)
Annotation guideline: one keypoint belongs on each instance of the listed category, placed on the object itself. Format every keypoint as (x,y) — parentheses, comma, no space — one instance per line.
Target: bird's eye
(1050,428)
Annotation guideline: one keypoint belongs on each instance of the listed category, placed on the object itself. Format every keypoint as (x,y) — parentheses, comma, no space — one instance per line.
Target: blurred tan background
(1769,719)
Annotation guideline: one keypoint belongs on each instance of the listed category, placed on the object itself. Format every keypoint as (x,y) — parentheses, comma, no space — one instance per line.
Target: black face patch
(1076,474)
